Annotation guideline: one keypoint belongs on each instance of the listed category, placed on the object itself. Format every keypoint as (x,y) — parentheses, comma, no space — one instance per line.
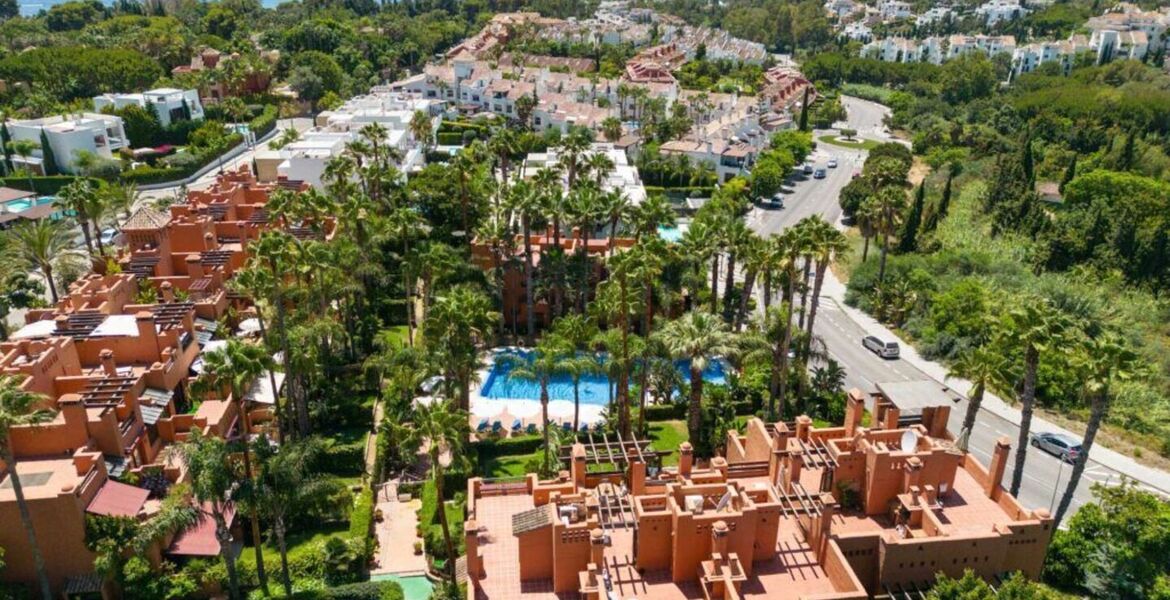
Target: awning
(207,324)
(203,336)
(157,396)
(199,540)
(261,391)
(150,414)
(116,499)
(78,585)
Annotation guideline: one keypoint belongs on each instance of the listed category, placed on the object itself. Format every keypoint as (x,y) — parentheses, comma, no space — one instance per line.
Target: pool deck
(396,537)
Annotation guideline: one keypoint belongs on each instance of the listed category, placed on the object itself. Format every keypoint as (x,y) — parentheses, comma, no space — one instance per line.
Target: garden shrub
(450,138)
(492,448)
(361,521)
(365,590)
(345,460)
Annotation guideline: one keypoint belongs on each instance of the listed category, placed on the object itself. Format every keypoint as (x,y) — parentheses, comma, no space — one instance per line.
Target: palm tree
(572,154)
(614,205)
(736,238)
(44,245)
(25,149)
(600,165)
(868,216)
(617,303)
(420,128)
(79,198)
(1102,362)
(984,366)
(213,481)
(611,127)
(21,407)
(407,224)
(286,483)
(828,243)
(525,201)
(544,363)
(121,196)
(1036,326)
(443,428)
(237,366)
(456,326)
(654,212)
(576,331)
(890,204)
(776,325)
(585,207)
(756,257)
(502,146)
(698,337)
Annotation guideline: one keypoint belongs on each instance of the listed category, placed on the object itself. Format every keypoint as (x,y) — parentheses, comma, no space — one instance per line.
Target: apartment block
(905,50)
(989,45)
(1126,17)
(68,136)
(994,12)
(788,511)
(891,10)
(1027,58)
(169,104)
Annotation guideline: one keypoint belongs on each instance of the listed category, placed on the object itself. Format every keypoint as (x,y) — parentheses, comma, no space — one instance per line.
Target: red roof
(200,539)
(116,499)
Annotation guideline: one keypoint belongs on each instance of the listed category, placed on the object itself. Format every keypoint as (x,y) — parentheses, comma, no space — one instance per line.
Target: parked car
(1063,446)
(807,168)
(111,236)
(881,348)
(777,200)
(832,163)
(820,174)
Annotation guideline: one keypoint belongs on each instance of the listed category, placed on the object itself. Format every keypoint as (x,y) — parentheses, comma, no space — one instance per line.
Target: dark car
(1063,446)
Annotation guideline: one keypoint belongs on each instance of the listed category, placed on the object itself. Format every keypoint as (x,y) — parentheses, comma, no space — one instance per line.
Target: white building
(842,8)
(905,50)
(169,104)
(937,14)
(624,176)
(1110,44)
(894,9)
(1027,58)
(68,136)
(996,11)
(989,45)
(858,32)
(1127,17)
(307,158)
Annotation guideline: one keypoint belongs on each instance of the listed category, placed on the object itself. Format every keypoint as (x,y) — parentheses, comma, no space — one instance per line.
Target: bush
(361,520)
(665,412)
(265,121)
(366,590)
(148,175)
(48,185)
(491,448)
(450,138)
(345,460)
(182,160)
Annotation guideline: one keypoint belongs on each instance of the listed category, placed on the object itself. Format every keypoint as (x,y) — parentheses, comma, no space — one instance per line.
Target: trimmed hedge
(365,590)
(698,191)
(47,185)
(345,460)
(666,412)
(265,121)
(450,138)
(148,175)
(361,520)
(492,448)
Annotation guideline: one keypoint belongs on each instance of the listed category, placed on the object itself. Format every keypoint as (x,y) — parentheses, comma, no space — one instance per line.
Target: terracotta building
(789,511)
(114,360)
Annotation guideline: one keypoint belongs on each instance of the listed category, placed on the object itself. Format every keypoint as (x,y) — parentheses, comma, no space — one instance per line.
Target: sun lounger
(532,429)
(483,425)
(584,428)
(497,427)
(516,426)
(567,426)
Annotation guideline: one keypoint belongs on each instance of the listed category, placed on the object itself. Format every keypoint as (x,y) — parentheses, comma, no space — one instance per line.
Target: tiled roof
(532,519)
(147,217)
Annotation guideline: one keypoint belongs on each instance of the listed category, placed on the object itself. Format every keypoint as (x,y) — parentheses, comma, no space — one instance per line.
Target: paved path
(396,538)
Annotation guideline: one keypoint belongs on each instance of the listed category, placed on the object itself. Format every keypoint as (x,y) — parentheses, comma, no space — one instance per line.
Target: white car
(880,348)
(832,163)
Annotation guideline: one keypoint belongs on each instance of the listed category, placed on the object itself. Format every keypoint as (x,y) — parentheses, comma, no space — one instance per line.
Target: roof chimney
(108,365)
(168,291)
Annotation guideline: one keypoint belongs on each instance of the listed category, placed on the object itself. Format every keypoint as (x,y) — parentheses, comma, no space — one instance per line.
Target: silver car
(1065,447)
(883,349)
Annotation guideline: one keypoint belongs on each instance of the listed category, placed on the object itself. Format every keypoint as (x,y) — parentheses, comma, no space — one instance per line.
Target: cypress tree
(5,151)
(48,161)
(1026,160)
(804,111)
(909,240)
(1127,153)
(1069,173)
(940,211)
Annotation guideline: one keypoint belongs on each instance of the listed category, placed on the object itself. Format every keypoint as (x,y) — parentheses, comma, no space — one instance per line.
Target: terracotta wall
(655,541)
(916,560)
(536,554)
(570,554)
(861,551)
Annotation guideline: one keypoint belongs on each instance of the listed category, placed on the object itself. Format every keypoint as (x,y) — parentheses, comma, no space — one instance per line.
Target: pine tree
(909,239)
(804,111)
(1069,173)
(48,161)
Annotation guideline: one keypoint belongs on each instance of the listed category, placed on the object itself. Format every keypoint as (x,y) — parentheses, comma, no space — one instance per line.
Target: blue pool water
(594,389)
(24,204)
(414,587)
(670,234)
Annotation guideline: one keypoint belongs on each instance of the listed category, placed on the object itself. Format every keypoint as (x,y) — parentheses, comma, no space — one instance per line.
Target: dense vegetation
(981,232)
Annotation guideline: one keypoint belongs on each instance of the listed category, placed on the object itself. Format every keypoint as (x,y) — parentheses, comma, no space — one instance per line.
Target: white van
(880,348)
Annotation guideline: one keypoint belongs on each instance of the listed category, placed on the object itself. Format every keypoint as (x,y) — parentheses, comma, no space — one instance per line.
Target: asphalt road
(842,335)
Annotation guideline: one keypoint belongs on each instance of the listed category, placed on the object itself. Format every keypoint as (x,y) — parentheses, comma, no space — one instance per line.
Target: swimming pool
(24,204)
(594,389)
(414,587)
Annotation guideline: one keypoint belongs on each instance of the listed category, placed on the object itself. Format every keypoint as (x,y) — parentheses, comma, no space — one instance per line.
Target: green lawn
(510,465)
(299,543)
(860,144)
(666,436)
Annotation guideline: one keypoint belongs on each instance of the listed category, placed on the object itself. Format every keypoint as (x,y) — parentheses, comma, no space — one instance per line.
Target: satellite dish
(909,441)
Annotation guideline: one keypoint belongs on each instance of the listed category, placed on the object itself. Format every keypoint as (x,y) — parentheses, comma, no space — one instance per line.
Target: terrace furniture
(516,426)
(531,430)
(483,425)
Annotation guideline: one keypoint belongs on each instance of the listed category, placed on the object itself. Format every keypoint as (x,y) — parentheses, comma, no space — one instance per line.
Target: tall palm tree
(78,198)
(776,325)
(736,239)
(420,128)
(585,207)
(1102,362)
(614,205)
(121,196)
(274,256)
(540,366)
(600,166)
(868,217)
(44,245)
(21,407)
(407,224)
(214,484)
(828,243)
(525,201)
(575,332)
(572,154)
(443,429)
(653,212)
(237,366)
(1035,326)
(457,326)
(984,366)
(890,204)
(698,337)
(618,302)
(755,255)
(286,483)
(502,146)
(25,149)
